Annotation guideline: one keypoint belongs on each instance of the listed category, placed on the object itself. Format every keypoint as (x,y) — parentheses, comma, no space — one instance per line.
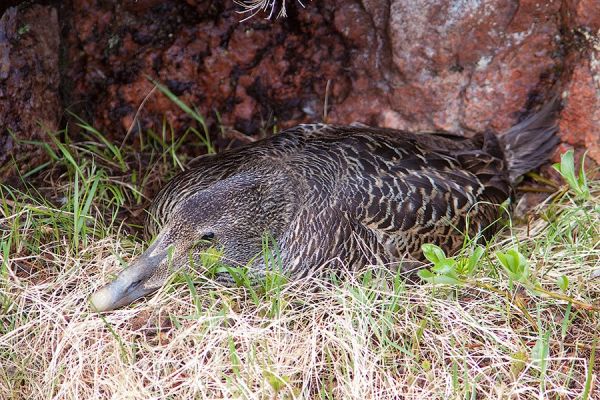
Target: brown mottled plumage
(335,194)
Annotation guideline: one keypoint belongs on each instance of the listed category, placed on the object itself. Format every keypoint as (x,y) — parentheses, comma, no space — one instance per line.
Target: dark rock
(29,82)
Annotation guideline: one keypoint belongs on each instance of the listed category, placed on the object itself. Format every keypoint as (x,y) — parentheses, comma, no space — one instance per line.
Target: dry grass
(370,336)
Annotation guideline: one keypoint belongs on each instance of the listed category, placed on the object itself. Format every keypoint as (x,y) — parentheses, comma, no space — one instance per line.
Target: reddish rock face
(580,119)
(425,64)
(468,65)
(254,74)
(29,81)
(584,14)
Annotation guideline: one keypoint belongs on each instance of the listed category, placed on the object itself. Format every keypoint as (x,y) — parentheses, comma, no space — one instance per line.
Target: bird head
(232,215)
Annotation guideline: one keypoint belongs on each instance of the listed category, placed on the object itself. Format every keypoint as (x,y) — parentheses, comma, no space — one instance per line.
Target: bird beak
(131,284)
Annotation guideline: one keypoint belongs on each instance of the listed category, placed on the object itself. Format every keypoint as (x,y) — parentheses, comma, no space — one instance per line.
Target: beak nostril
(134,285)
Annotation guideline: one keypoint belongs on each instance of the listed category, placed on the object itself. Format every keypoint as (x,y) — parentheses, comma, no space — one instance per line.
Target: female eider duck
(335,195)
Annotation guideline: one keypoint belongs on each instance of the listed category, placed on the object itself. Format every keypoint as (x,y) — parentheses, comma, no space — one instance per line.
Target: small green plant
(515,265)
(460,271)
(235,362)
(277,382)
(539,356)
(274,275)
(518,363)
(449,270)
(589,378)
(563,283)
(577,182)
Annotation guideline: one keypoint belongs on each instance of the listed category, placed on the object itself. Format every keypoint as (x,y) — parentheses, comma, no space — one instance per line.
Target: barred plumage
(337,194)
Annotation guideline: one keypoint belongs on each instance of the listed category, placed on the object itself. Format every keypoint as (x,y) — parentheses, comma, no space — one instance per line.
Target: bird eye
(208,236)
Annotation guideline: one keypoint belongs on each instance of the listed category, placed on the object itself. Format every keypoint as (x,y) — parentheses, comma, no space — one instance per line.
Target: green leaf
(582,180)
(426,365)
(540,352)
(445,266)
(436,279)
(211,256)
(433,253)
(425,274)
(473,260)
(566,168)
(446,280)
(504,261)
(515,265)
(563,283)
(276,382)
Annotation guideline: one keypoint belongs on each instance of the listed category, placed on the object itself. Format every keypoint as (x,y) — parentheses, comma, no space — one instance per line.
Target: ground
(527,330)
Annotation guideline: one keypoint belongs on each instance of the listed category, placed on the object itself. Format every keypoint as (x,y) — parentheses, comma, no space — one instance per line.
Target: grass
(517,319)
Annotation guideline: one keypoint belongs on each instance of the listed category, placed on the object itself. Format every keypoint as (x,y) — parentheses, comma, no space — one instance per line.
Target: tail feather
(531,142)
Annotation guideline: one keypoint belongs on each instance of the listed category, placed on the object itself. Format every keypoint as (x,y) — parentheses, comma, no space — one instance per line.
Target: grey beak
(129,286)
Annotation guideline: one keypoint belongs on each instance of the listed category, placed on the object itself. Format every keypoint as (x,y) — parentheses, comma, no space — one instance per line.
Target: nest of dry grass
(371,335)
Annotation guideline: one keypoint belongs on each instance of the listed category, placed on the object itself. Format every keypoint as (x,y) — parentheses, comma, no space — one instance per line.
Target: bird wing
(429,196)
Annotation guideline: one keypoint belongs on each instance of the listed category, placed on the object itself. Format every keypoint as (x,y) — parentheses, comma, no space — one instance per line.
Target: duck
(333,197)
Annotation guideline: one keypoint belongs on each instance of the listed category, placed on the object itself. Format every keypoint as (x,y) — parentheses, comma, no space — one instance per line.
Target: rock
(580,119)
(254,73)
(461,65)
(456,65)
(583,14)
(29,85)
